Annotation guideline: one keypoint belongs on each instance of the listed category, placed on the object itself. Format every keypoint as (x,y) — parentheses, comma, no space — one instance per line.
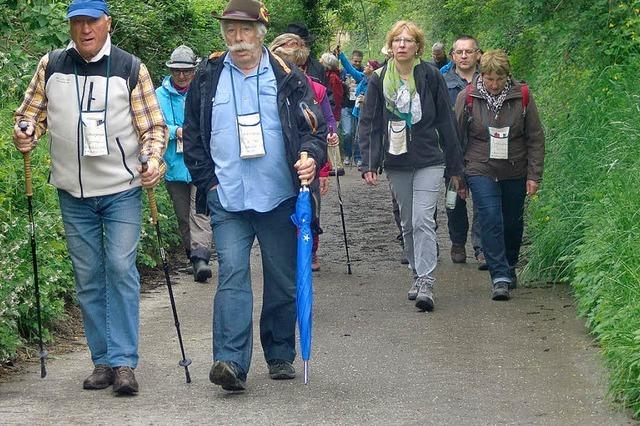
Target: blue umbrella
(304,280)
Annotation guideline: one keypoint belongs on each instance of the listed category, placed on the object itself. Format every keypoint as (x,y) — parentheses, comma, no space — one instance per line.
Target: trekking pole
(23,125)
(334,161)
(153,206)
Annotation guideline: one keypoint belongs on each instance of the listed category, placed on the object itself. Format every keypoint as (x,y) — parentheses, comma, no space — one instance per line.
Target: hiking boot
(125,381)
(500,290)
(315,263)
(280,369)
(458,253)
(403,259)
(332,172)
(482,263)
(228,375)
(424,298)
(102,377)
(201,270)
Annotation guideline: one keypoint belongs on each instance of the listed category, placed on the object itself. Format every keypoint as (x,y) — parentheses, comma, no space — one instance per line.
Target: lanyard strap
(106,93)
(233,89)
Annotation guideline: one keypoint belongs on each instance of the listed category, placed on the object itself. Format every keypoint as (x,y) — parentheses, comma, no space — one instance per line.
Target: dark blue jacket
(293,94)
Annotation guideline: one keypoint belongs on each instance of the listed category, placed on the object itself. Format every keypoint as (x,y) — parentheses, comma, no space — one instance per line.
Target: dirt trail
(376,359)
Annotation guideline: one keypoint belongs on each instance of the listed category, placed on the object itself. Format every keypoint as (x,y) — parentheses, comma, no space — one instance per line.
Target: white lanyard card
(499,143)
(94,134)
(250,134)
(397,131)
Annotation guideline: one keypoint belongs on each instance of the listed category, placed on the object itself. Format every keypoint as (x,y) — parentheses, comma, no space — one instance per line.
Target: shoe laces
(424,283)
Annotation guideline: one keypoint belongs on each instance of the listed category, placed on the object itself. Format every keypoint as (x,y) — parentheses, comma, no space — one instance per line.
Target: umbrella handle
(303,157)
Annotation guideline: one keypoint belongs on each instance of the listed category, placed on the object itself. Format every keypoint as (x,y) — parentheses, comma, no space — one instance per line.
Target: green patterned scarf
(398,94)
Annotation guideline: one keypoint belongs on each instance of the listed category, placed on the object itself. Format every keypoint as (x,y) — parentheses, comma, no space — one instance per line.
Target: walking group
(227,132)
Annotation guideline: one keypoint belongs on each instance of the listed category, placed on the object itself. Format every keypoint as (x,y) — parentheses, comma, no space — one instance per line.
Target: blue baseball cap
(92,8)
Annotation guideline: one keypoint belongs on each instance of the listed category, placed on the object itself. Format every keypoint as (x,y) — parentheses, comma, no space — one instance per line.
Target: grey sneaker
(500,290)
(413,291)
(424,298)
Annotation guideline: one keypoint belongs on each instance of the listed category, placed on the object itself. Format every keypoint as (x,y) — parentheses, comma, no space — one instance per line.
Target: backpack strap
(54,57)
(468,99)
(524,90)
(134,72)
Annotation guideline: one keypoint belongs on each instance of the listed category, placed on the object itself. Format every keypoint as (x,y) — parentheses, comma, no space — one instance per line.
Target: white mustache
(243,45)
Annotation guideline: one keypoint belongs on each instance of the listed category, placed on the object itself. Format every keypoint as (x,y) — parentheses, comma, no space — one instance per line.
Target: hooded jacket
(294,97)
(172,105)
(526,136)
(430,142)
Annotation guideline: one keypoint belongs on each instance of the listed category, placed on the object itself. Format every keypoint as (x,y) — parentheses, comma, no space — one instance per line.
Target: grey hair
(329,61)
(258,26)
(438,46)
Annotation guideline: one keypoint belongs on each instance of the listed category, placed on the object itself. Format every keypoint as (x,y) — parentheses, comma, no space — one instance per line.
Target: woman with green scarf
(406,127)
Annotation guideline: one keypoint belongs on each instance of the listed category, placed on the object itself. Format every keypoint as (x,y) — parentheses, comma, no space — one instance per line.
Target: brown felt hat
(244,10)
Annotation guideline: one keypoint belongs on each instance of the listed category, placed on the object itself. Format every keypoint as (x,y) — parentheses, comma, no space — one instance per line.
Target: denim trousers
(458,224)
(500,206)
(234,234)
(349,125)
(102,237)
(195,228)
(416,192)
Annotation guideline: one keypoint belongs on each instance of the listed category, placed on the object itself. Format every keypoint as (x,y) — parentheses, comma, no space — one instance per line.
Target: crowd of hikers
(226,132)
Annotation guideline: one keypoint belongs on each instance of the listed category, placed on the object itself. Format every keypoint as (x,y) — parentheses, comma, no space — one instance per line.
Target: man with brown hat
(249,114)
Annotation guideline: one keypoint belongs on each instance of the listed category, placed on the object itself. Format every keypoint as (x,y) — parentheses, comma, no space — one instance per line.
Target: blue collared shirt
(259,184)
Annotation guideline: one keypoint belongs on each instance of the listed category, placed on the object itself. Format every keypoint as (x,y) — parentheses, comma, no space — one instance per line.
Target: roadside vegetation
(580,58)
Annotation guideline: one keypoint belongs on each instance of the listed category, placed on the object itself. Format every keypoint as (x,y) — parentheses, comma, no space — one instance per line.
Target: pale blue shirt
(259,184)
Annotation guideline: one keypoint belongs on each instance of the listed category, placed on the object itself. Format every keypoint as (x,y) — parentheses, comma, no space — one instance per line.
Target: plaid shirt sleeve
(148,119)
(34,104)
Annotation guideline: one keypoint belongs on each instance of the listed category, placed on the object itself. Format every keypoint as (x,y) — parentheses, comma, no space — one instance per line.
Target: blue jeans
(102,237)
(500,206)
(234,234)
(458,224)
(349,125)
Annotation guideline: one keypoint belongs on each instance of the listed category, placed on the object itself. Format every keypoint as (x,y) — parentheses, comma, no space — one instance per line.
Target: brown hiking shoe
(458,253)
(102,377)
(125,381)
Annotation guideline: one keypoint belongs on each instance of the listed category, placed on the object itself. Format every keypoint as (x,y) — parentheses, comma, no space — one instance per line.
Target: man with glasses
(466,55)
(195,230)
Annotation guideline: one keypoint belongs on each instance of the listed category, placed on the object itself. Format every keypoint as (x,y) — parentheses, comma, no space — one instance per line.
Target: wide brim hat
(244,10)
(301,30)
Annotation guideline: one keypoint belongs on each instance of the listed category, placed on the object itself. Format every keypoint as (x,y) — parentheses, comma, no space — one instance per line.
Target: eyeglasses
(186,72)
(467,51)
(400,40)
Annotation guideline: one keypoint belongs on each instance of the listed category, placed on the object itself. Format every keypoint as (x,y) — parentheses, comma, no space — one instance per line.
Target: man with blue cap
(98,104)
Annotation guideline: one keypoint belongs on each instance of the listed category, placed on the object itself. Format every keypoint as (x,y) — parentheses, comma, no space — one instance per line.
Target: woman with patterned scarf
(504,156)
(406,127)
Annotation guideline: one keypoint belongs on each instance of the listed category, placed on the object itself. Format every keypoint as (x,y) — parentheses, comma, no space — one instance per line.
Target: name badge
(94,134)
(397,131)
(250,134)
(499,143)
(179,146)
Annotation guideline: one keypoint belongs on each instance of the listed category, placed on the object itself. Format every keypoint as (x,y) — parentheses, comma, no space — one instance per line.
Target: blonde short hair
(495,61)
(412,28)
